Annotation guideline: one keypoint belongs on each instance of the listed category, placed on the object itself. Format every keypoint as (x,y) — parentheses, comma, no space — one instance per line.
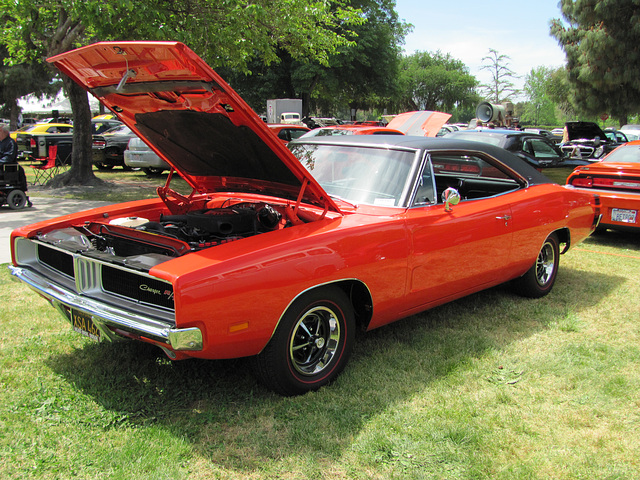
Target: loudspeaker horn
(489,112)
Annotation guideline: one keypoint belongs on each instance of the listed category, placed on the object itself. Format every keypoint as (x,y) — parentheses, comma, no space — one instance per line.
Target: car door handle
(506,218)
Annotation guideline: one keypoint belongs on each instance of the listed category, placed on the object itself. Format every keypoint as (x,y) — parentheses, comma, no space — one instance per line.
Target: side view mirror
(450,197)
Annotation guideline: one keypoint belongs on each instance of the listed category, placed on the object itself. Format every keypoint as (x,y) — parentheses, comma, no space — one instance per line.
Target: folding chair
(48,168)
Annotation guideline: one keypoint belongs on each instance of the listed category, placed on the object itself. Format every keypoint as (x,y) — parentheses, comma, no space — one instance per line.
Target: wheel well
(360,299)
(564,236)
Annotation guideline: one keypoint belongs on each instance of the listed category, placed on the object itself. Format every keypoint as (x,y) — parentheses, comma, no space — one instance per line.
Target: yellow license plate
(83,324)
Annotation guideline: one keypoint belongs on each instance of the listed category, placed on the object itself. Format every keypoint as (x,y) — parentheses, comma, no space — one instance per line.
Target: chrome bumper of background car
(112,322)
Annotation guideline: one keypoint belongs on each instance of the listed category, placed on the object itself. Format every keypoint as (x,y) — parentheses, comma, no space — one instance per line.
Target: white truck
(284,110)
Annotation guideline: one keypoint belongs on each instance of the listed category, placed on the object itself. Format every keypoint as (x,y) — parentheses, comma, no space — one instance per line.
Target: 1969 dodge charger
(279,254)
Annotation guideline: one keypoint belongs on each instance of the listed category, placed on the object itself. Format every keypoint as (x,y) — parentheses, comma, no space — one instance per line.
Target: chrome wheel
(314,341)
(545,265)
(311,344)
(539,279)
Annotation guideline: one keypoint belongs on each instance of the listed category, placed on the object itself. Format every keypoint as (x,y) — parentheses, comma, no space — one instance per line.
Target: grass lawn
(492,386)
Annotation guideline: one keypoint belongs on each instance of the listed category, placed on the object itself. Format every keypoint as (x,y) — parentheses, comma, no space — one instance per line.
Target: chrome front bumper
(112,321)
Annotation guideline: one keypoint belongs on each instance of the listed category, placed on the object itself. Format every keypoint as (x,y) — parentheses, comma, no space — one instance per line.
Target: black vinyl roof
(433,145)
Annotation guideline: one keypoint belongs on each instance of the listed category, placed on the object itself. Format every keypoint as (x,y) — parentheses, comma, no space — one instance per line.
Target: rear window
(628,154)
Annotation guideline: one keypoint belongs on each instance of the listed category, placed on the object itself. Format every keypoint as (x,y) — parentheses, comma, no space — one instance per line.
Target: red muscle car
(282,254)
(616,180)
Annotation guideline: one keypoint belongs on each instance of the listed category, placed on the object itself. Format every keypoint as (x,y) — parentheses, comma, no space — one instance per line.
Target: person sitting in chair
(8,147)
(9,156)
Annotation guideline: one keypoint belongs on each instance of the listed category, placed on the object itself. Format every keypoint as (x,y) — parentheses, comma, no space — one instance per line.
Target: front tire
(539,279)
(16,199)
(311,345)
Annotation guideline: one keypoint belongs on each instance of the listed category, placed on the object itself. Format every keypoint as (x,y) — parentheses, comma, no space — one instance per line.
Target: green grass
(121,186)
(492,386)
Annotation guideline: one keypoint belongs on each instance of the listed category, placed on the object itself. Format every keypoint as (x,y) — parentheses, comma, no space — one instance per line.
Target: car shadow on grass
(623,240)
(234,422)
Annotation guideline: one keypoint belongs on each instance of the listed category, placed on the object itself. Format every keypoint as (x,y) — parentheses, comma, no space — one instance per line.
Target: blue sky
(468,29)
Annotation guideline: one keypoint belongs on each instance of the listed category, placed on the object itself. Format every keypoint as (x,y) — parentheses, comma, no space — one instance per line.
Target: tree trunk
(81,171)
(14,112)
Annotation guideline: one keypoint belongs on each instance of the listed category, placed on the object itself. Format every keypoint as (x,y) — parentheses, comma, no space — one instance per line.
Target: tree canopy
(361,74)
(501,86)
(435,81)
(602,46)
(540,109)
(231,32)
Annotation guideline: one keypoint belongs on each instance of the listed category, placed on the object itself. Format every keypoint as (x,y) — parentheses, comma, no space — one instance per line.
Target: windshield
(373,176)
(628,154)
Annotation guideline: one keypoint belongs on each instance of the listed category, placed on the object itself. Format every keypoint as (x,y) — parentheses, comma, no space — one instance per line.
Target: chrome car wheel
(311,345)
(539,279)
(546,264)
(314,341)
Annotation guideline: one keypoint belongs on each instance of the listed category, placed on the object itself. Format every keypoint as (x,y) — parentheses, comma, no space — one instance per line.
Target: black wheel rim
(314,341)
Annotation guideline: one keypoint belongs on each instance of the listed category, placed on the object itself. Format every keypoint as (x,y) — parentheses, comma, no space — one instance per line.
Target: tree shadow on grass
(234,422)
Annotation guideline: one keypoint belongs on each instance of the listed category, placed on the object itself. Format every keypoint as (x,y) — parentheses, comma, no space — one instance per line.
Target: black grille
(137,287)
(56,259)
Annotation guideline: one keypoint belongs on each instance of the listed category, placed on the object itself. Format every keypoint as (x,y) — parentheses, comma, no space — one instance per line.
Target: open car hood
(192,118)
(423,123)
(584,130)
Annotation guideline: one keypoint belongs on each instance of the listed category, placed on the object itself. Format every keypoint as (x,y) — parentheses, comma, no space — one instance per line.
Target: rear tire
(311,345)
(539,279)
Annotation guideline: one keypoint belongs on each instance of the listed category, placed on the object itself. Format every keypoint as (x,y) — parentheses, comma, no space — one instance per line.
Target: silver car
(139,155)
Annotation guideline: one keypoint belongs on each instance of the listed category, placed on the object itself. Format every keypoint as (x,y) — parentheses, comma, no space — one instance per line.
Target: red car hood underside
(190,116)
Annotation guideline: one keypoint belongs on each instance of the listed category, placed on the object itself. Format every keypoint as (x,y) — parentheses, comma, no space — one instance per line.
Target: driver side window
(472,176)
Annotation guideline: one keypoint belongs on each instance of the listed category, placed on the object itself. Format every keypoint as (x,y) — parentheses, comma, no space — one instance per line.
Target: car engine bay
(141,243)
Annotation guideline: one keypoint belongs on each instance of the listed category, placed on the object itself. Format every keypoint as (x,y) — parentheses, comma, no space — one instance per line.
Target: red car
(616,180)
(279,256)
(287,132)
(338,130)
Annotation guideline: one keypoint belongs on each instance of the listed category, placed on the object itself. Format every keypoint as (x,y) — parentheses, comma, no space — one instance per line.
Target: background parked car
(587,142)
(350,130)
(631,131)
(286,132)
(139,155)
(108,148)
(535,149)
(616,135)
(22,136)
(616,179)
(553,137)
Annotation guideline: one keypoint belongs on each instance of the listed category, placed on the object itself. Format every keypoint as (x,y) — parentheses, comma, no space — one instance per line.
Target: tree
(17,80)
(540,109)
(559,91)
(435,81)
(361,73)
(233,31)
(501,86)
(602,45)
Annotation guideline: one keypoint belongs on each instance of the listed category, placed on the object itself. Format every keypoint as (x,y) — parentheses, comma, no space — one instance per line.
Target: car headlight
(597,153)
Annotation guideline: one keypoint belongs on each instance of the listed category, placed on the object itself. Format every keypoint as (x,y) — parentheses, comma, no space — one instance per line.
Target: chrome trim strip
(105,316)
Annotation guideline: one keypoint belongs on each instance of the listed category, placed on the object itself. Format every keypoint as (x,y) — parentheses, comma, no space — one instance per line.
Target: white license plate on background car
(624,216)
